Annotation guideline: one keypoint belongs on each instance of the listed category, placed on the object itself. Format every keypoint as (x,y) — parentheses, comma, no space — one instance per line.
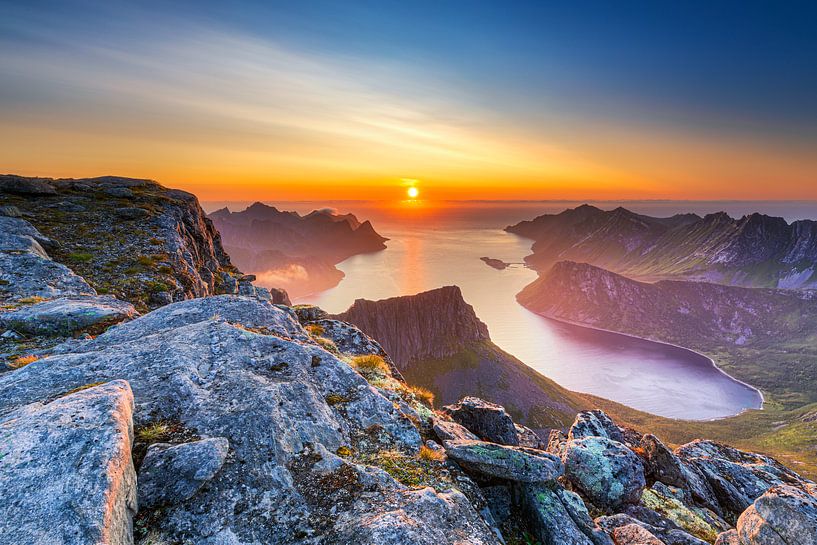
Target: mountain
(755,250)
(297,253)
(760,335)
(438,342)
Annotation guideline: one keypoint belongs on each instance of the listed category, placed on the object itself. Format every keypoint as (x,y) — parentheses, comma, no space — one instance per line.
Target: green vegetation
(81,388)
(371,366)
(154,432)
(336,399)
(413,471)
(81,257)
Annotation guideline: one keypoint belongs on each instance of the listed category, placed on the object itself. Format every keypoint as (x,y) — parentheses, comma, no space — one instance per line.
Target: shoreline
(710,360)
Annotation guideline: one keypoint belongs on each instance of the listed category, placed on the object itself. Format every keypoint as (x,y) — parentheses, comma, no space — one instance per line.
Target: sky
(463,100)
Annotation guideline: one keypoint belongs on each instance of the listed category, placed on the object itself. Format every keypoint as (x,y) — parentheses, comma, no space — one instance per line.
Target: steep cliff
(433,324)
(438,342)
(755,250)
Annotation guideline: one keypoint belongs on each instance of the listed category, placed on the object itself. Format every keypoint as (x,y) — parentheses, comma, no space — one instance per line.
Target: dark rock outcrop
(67,315)
(487,420)
(517,464)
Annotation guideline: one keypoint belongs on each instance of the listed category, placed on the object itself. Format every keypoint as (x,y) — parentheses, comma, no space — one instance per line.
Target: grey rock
(171,474)
(633,534)
(783,515)
(517,464)
(666,535)
(451,431)
(729,537)
(594,423)
(557,516)
(737,477)
(557,443)
(605,471)
(309,313)
(528,438)
(498,498)
(131,212)
(66,470)
(10,211)
(241,368)
(487,420)
(26,270)
(67,315)
(119,192)
(28,187)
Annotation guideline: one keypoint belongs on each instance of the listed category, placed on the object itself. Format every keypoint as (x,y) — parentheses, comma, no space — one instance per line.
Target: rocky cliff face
(293,251)
(131,238)
(433,324)
(755,250)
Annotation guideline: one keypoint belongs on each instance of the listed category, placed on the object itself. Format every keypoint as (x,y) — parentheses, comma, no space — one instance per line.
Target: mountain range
(755,250)
(288,250)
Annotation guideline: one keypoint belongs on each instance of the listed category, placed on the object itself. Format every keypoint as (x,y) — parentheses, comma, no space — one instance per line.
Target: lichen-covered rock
(26,270)
(517,464)
(490,422)
(605,471)
(594,424)
(660,498)
(244,369)
(664,530)
(67,315)
(663,465)
(559,516)
(737,477)
(557,443)
(170,474)
(351,503)
(66,472)
(783,515)
(451,431)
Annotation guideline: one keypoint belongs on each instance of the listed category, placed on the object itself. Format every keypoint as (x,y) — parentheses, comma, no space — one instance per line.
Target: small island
(495,263)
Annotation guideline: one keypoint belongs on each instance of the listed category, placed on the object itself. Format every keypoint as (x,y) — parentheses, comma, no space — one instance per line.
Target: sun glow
(413,192)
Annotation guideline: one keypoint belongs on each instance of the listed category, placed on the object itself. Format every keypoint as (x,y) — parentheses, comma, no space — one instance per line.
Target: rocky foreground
(232,419)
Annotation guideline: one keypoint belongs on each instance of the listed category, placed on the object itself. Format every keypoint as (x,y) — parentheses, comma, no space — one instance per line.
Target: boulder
(67,315)
(557,443)
(633,534)
(662,500)
(605,471)
(783,515)
(28,187)
(517,464)
(66,469)
(171,474)
(729,537)
(661,463)
(528,438)
(663,530)
(487,420)
(559,516)
(352,341)
(594,423)
(451,431)
(736,477)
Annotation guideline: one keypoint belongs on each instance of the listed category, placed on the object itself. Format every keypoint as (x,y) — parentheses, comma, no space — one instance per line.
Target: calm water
(649,376)
(432,247)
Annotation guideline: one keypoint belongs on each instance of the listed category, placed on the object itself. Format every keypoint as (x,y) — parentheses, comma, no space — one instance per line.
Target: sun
(413,192)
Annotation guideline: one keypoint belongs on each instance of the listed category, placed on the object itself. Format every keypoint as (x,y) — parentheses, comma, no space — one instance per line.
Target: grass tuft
(430,455)
(22,361)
